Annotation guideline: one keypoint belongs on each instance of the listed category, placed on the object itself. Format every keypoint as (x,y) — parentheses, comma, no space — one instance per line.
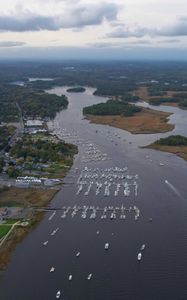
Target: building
(35,126)
(34,123)
(3,213)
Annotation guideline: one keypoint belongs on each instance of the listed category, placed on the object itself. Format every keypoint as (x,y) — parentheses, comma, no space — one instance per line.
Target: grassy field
(10,222)
(4,229)
(26,197)
(146,121)
(15,237)
(143,93)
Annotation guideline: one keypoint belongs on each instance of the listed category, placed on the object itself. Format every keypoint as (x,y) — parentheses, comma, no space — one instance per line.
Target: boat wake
(174,189)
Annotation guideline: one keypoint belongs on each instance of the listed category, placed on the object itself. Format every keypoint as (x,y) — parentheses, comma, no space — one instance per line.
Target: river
(116,273)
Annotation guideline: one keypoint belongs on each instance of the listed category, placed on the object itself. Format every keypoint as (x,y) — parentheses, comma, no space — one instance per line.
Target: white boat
(70,277)
(97,232)
(45,243)
(89,276)
(112,216)
(78,254)
(161,164)
(52,269)
(142,247)
(58,294)
(139,256)
(106,246)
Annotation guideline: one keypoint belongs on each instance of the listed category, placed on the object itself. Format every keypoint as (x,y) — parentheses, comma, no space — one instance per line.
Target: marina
(106,181)
(129,204)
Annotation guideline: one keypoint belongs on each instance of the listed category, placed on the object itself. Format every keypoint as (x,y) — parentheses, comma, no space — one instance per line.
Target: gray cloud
(178,29)
(111,45)
(34,23)
(169,41)
(104,45)
(122,32)
(73,17)
(8,44)
(175,30)
(140,42)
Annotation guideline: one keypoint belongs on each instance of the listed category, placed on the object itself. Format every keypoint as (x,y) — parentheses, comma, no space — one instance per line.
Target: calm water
(162,273)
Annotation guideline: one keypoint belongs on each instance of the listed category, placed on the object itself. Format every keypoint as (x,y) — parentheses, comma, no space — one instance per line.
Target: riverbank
(175,144)
(145,122)
(25,199)
(177,150)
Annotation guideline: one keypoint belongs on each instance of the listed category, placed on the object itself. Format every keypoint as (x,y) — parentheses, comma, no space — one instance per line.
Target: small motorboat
(106,246)
(142,247)
(45,243)
(52,269)
(78,254)
(58,294)
(89,276)
(139,256)
(70,277)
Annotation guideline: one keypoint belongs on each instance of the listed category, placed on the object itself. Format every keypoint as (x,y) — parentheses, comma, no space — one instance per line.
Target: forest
(5,134)
(111,107)
(173,140)
(41,150)
(32,103)
(78,89)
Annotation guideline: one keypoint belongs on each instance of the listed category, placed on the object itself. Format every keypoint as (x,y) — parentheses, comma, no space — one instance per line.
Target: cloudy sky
(93,28)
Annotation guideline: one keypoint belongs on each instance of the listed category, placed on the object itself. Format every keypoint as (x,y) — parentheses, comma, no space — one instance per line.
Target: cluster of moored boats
(111,180)
(91,152)
(108,212)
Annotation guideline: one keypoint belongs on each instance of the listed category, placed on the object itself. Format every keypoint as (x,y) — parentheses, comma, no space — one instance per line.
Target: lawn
(4,229)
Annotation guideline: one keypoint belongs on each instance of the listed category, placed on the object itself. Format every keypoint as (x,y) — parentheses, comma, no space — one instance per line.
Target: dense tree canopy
(41,150)
(5,134)
(78,89)
(111,107)
(173,140)
(32,103)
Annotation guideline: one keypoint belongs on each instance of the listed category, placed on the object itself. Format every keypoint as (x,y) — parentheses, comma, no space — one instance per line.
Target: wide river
(116,273)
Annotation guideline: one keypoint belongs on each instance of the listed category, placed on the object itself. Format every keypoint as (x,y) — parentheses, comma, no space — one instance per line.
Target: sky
(105,29)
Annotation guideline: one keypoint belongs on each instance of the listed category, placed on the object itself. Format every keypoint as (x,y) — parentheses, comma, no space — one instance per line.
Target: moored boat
(106,246)
(139,256)
(58,294)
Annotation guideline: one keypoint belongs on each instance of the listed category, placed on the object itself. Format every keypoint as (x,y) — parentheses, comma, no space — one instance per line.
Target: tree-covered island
(121,114)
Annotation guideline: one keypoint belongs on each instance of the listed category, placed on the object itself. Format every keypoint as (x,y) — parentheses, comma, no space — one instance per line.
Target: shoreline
(180,151)
(19,232)
(147,121)
(143,93)
(29,199)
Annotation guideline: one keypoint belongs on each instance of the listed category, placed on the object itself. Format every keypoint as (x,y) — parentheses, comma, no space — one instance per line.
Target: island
(78,89)
(129,117)
(175,144)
